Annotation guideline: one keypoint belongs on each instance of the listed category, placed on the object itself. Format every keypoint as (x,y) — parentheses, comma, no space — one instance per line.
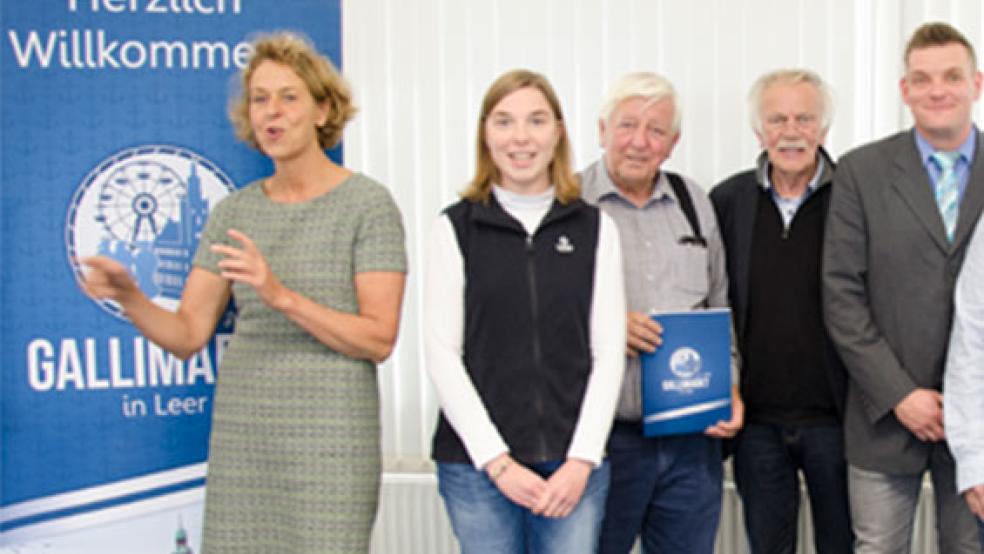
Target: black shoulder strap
(686,204)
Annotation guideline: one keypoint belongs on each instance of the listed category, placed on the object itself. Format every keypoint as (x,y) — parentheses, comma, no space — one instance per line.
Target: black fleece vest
(526,333)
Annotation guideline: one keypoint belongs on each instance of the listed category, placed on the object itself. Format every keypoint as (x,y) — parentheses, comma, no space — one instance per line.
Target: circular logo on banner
(145,207)
(685,362)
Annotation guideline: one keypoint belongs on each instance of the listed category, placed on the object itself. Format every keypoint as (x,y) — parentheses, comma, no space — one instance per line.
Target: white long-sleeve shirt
(963,381)
(444,317)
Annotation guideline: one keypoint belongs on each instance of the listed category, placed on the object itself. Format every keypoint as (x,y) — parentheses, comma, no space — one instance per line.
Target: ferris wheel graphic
(145,207)
(138,199)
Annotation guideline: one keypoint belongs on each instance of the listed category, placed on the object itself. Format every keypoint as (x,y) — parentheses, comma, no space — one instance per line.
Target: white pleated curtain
(419,69)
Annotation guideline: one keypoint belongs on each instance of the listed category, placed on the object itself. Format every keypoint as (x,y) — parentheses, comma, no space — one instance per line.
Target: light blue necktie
(947,193)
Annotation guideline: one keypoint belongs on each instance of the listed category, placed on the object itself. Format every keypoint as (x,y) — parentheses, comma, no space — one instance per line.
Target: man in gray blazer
(901,213)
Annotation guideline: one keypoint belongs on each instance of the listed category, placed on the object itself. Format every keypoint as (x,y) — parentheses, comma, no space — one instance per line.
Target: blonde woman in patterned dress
(314,256)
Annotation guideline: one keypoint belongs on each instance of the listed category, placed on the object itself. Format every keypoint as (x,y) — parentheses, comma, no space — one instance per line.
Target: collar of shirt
(788,206)
(962,167)
(606,188)
(528,209)
(766,183)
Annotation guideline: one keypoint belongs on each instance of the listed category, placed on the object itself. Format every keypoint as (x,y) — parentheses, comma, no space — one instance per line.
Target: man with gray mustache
(792,381)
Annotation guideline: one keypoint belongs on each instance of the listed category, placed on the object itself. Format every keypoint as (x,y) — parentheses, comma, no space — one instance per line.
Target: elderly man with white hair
(668,489)
(793,383)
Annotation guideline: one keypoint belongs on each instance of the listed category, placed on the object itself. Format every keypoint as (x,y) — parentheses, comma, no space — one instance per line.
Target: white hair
(649,86)
(789,77)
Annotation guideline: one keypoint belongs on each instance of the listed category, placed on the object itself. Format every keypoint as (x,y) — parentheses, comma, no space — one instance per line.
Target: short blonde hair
(326,85)
(789,77)
(649,86)
(566,186)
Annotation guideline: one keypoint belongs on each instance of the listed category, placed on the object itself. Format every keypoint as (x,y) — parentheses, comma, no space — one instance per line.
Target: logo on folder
(145,207)
(685,364)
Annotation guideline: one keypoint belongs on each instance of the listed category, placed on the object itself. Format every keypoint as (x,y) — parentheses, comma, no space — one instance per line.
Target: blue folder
(686,383)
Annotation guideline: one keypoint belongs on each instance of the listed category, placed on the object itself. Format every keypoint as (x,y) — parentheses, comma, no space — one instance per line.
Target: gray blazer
(888,278)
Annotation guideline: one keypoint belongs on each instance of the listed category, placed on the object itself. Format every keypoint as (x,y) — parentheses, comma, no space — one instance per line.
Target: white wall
(420,67)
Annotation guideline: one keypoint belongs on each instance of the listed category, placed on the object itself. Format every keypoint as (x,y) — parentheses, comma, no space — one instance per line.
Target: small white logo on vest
(564,245)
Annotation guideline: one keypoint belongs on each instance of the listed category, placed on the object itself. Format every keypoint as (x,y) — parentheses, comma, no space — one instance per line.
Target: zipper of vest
(537,355)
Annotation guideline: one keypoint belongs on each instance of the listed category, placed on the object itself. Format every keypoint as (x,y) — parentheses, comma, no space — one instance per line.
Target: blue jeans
(486,522)
(667,488)
(768,459)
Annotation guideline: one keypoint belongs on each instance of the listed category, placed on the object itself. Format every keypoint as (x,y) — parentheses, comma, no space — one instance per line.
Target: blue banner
(115,141)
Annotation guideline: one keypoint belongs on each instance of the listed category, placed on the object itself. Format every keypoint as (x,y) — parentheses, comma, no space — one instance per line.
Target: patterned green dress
(294,457)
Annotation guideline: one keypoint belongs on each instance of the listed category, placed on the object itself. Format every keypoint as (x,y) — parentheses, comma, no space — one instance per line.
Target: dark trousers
(667,489)
(767,461)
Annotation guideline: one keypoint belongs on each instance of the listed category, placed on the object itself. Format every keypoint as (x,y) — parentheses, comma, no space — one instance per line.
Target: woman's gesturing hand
(247,265)
(108,279)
